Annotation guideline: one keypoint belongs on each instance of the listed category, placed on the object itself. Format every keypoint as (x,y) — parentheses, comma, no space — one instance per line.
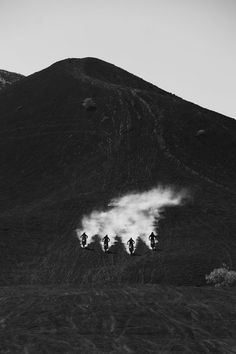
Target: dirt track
(141,319)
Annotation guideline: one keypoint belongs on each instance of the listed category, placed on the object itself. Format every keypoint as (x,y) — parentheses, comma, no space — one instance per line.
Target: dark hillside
(82,132)
(7,78)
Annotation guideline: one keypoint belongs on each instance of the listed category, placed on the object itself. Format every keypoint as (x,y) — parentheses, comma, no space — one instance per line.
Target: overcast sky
(187,47)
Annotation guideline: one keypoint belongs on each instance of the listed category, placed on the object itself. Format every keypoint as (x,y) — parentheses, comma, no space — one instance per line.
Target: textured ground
(61,159)
(137,319)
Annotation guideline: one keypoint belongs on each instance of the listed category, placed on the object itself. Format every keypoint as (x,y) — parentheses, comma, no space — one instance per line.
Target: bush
(222,277)
(89,104)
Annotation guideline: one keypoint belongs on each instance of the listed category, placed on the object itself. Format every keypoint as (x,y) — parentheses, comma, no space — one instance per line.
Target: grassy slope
(137,319)
(83,267)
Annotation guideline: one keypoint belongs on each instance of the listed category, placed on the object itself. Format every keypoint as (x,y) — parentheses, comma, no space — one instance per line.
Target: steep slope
(83,131)
(7,78)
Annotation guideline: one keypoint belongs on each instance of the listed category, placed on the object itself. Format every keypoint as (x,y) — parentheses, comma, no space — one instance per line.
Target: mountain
(83,131)
(7,78)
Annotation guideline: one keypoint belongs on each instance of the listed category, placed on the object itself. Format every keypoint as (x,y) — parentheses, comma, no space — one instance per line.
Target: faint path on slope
(166,150)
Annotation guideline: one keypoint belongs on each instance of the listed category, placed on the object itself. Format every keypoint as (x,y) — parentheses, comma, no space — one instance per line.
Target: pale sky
(187,47)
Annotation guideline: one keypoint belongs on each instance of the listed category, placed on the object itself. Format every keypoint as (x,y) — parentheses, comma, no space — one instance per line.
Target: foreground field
(137,319)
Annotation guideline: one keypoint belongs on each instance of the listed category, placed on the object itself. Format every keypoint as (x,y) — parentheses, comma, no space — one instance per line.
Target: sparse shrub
(222,277)
(89,104)
(201,132)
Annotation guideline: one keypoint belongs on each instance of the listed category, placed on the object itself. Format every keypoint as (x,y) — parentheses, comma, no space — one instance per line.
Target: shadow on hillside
(110,252)
(88,248)
(135,254)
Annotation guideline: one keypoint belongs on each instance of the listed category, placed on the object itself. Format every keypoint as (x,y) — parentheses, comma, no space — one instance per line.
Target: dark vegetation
(7,78)
(72,137)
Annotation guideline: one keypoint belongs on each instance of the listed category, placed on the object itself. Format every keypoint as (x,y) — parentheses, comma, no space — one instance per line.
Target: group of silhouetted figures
(153,242)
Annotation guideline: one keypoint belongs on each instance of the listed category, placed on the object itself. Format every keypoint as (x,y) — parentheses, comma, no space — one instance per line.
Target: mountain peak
(101,72)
